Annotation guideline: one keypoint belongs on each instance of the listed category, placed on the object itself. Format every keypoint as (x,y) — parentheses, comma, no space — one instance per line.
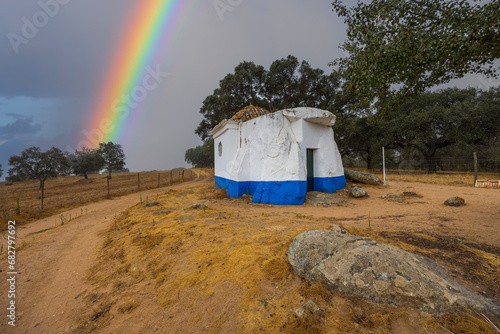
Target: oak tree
(85,161)
(397,49)
(113,156)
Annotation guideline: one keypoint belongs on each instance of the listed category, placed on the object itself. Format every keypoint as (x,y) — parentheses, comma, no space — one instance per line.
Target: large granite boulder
(362,177)
(380,273)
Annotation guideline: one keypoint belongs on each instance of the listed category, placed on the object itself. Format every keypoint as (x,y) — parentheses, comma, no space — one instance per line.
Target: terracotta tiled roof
(248,113)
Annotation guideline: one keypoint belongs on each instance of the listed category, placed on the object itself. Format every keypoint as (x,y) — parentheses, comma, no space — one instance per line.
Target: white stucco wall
(229,138)
(272,150)
(273,147)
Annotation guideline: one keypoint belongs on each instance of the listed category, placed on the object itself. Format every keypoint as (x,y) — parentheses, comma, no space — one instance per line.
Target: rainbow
(131,72)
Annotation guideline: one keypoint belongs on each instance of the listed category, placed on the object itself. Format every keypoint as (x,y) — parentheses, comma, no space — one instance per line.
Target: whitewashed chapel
(277,157)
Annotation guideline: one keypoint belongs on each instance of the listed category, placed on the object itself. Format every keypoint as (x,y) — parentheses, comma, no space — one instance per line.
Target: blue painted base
(329,184)
(279,192)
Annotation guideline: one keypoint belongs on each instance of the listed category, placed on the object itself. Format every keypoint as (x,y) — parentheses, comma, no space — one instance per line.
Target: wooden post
(475,168)
(41,198)
(138,182)
(107,179)
(182,175)
(383,161)
(158,180)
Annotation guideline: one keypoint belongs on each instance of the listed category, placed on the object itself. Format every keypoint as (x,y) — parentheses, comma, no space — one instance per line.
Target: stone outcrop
(380,273)
(362,177)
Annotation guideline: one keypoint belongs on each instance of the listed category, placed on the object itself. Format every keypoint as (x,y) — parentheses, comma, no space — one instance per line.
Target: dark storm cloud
(56,48)
(21,126)
(49,85)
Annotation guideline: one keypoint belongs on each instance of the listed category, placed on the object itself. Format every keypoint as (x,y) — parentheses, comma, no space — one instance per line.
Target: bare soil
(222,267)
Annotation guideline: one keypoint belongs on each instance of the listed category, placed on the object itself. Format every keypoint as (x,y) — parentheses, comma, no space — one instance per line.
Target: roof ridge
(249,112)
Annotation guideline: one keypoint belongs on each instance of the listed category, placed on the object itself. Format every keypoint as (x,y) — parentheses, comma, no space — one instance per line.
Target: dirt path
(52,264)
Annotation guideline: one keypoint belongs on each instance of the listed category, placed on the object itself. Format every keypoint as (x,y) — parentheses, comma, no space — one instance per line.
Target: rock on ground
(455,201)
(379,273)
(308,309)
(362,177)
(358,192)
(319,198)
(151,204)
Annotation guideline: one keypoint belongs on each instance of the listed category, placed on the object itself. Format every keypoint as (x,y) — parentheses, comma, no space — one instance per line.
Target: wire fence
(24,198)
(438,171)
(426,166)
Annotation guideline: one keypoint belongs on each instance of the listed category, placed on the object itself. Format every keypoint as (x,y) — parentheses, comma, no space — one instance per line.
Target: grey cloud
(21,126)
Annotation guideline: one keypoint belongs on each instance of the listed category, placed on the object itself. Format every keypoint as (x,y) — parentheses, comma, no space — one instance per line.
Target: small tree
(1,171)
(113,156)
(85,161)
(201,156)
(35,164)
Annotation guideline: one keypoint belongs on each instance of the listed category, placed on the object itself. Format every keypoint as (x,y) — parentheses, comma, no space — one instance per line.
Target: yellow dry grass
(444,178)
(222,266)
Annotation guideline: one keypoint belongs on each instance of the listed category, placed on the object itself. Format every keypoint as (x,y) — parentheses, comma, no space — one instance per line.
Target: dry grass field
(199,262)
(73,191)
(441,177)
(221,267)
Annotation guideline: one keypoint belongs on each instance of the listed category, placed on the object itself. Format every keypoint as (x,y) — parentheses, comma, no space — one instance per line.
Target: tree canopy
(201,156)
(85,161)
(287,84)
(399,48)
(454,119)
(33,163)
(113,156)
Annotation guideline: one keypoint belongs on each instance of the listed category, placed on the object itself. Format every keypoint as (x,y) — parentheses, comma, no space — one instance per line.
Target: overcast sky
(49,83)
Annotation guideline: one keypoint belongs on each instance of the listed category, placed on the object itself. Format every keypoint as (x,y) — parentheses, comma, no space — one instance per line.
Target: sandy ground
(52,265)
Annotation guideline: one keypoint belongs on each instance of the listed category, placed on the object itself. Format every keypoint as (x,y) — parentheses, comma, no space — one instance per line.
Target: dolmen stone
(362,177)
(380,273)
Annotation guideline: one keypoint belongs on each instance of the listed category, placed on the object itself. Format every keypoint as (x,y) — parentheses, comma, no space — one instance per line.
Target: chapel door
(310,169)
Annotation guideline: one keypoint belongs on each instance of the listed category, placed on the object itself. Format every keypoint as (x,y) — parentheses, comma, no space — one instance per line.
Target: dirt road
(52,264)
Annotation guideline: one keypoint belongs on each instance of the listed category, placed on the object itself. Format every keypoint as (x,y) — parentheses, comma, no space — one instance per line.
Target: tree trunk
(369,163)
(431,147)
(430,164)
(85,175)
(109,175)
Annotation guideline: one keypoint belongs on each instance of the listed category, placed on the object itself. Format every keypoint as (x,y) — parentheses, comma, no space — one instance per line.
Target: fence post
(107,179)
(383,161)
(182,175)
(475,168)
(41,198)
